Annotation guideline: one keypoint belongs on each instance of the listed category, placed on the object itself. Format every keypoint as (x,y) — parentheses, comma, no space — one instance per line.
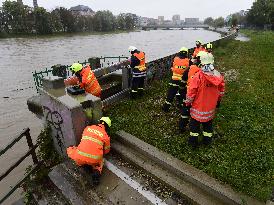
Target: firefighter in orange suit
(180,64)
(138,66)
(186,79)
(204,95)
(198,48)
(85,78)
(95,143)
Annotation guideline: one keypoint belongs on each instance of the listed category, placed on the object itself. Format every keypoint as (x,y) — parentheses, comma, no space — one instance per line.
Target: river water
(20,56)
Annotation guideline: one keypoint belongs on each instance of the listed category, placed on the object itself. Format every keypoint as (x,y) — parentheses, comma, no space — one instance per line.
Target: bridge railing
(104,62)
(31,151)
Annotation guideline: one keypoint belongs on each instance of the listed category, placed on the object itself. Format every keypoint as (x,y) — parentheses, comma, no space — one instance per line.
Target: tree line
(16,18)
(260,15)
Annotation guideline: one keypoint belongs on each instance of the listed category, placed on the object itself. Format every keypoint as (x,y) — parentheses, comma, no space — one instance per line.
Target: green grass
(243,155)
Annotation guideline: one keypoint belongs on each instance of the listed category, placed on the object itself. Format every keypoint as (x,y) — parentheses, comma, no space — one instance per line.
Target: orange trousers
(97,165)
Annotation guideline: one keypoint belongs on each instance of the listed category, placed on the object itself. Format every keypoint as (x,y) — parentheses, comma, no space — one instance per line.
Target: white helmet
(131,48)
(206,58)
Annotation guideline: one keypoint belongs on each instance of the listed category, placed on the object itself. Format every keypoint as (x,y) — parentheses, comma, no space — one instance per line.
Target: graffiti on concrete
(55,119)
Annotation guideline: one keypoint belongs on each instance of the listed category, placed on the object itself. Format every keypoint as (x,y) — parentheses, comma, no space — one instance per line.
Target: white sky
(155,8)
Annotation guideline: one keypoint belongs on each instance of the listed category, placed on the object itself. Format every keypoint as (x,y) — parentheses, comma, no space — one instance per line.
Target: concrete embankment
(137,173)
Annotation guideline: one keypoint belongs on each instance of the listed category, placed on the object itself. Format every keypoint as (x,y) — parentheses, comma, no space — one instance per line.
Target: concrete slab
(184,171)
(53,82)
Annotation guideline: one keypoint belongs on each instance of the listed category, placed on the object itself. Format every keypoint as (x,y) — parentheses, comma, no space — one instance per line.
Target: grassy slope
(244,154)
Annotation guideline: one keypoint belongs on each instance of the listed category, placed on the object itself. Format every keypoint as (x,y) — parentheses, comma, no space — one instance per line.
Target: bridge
(167,27)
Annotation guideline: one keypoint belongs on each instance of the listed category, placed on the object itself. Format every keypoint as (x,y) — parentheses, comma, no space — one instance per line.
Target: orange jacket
(89,82)
(142,58)
(192,71)
(94,144)
(178,68)
(197,50)
(203,94)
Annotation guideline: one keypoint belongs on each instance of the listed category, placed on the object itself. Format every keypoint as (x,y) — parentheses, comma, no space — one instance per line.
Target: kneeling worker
(95,143)
(85,78)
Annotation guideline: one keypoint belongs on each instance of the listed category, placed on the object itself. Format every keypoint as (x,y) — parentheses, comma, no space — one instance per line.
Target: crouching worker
(95,143)
(85,78)
(203,95)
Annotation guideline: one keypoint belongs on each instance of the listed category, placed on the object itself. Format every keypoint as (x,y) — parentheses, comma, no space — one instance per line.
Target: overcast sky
(155,8)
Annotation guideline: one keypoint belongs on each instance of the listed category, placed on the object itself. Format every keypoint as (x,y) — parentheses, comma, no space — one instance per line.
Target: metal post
(30,144)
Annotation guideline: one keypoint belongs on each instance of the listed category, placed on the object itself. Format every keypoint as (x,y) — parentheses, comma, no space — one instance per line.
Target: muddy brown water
(19,57)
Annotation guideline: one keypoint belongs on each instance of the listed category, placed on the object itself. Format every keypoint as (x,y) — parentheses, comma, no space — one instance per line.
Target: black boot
(133,95)
(183,123)
(207,140)
(193,141)
(96,177)
(166,107)
(140,92)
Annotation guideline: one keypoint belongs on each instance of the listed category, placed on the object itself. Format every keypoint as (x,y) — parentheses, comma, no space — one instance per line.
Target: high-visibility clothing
(137,63)
(192,71)
(94,144)
(89,82)
(197,50)
(178,68)
(204,91)
(141,57)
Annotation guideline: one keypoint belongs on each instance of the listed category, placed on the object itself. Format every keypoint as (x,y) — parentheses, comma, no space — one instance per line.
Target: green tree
(67,20)
(104,21)
(219,22)
(43,24)
(57,25)
(209,21)
(261,13)
(14,16)
(121,21)
(80,23)
(234,20)
(89,23)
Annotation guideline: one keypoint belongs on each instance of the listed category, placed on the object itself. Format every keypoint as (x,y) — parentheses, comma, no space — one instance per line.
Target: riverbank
(242,154)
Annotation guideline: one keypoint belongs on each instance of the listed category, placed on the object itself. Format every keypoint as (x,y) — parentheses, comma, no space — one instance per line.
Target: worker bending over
(85,78)
(95,143)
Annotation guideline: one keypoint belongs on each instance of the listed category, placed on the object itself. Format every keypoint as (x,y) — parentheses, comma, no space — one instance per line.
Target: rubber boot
(140,92)
(207,140)
(133,95)
(96,177)
(193,141)
(166,107)
(179,101)
(183,121)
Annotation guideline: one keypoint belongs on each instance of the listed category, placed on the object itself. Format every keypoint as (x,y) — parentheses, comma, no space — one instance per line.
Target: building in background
(161,20)
(192,21)
(176,20)
(82,10)
(35,4)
